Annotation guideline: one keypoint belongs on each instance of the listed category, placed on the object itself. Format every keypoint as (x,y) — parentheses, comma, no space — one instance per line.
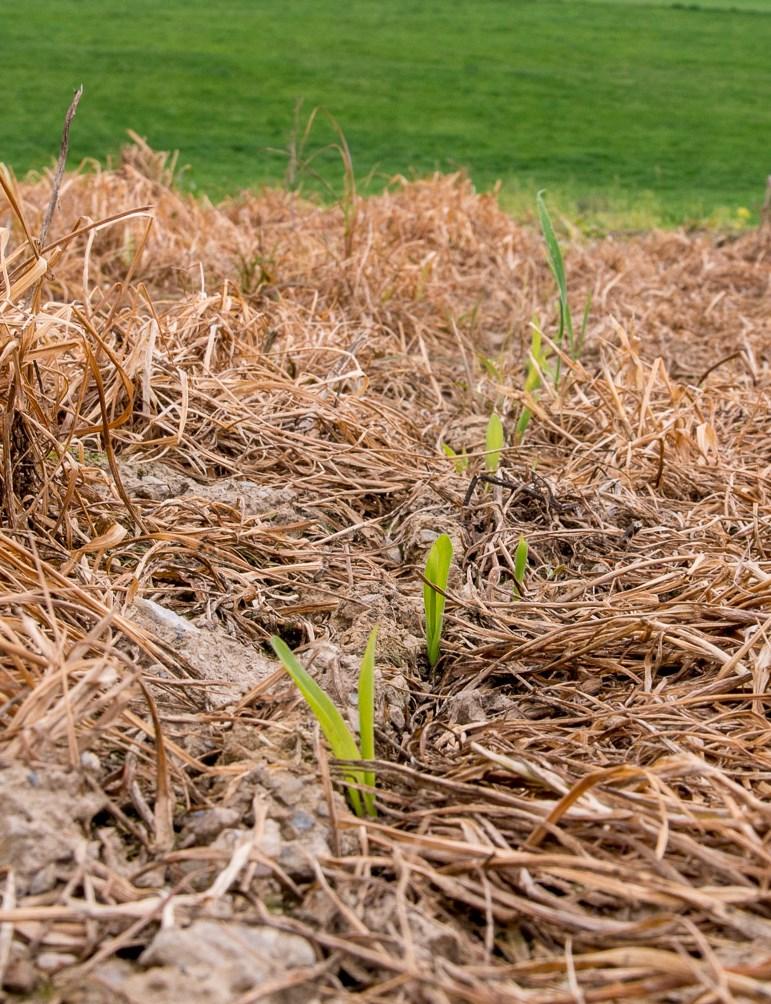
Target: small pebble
(90,761)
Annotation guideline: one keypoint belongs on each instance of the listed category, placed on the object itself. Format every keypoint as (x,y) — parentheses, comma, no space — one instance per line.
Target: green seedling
(538,361)
(336,732)
(557,265)
(494,442)
(520,564)
(575,343)
(460,460)
(436,575)
(536,367)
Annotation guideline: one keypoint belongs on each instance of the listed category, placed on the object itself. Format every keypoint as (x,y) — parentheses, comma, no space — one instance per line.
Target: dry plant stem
(107,442)
(60,165)
(164,807)
(8,191)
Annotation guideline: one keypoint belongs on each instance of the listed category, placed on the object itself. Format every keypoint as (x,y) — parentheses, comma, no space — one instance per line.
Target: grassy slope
(596,99)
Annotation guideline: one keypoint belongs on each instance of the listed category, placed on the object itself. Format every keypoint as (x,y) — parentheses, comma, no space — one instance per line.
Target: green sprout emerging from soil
(538,359)
(460,460)
(520,565)
(557,265)
(340,738)
(436,575)
(494,443)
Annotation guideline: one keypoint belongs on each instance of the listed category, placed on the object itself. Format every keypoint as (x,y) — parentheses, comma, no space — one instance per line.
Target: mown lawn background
(636,107)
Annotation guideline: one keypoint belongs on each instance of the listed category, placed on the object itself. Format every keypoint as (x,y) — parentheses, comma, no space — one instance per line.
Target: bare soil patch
(223,422)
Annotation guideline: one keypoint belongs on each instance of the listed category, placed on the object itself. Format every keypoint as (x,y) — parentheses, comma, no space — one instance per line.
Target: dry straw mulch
(224,422)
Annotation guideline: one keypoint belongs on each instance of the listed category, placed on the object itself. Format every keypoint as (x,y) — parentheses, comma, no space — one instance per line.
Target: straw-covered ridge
(225,422)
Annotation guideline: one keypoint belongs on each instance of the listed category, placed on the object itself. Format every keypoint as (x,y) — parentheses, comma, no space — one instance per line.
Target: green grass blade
(520,562)
(558,270)
(367,717)
(460,460)
(336,732)
(494,442)
(437,573)
(536,362)
(535,367)
(522,423)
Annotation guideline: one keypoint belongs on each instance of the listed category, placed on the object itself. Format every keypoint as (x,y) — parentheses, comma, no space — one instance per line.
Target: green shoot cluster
(340,738)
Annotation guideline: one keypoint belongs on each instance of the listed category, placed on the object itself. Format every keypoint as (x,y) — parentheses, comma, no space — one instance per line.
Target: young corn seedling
(557,265)
(436,575)
(575,342)
(336,732)
(460,460)
(520,565)
(536,367)
(494,443)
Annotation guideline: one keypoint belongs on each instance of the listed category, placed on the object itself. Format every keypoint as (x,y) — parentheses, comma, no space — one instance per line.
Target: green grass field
(645,109)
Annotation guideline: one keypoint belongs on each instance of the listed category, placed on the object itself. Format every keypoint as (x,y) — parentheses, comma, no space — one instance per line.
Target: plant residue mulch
(226,422)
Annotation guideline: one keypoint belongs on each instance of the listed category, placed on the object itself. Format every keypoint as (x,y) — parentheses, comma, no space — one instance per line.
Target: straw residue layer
(223,422)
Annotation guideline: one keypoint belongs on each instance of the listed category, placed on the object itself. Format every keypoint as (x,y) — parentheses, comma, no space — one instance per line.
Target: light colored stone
(40,829)
(213,963)
(209,650)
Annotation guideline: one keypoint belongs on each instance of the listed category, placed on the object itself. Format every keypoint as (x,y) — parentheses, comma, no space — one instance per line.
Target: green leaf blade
(436,574)
(522,423)
(336,732)
(494,443)
(460,460)
(536,366)
(557,265)
(520,562)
